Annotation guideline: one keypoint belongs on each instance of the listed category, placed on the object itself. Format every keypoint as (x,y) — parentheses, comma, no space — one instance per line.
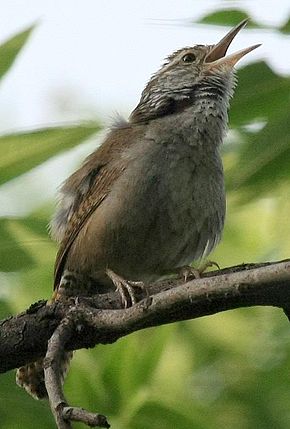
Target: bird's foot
(187,271)
(125,288)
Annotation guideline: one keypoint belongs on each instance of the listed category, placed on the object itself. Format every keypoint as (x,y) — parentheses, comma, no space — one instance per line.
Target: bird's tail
(31,376)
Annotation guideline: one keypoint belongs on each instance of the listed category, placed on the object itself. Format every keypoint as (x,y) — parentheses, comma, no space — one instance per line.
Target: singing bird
(150,200)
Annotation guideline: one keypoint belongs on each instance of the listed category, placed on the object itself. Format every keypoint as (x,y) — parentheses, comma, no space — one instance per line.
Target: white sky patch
(94,57)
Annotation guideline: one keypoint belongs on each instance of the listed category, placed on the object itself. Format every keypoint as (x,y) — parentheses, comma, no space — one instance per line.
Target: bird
(150,199)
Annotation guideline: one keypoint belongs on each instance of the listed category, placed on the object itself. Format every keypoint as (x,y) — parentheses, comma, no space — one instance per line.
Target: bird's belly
(169,219)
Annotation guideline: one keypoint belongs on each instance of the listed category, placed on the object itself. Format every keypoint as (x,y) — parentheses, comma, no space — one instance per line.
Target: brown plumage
(151,198)
(96,179)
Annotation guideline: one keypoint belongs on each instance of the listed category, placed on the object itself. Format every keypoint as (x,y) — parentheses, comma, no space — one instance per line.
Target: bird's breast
(165,210)
(170,209)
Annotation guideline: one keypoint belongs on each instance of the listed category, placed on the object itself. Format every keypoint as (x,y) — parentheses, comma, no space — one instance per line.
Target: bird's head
(186,71)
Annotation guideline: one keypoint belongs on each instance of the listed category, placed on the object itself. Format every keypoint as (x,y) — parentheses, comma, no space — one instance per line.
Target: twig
(55,355)
(52,364)
(81,415)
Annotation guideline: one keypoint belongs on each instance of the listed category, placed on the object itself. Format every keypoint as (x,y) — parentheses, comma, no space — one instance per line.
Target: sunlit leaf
(229,17)
(20,152)
(26,248)
(11,48)
(21,240)
(13,255)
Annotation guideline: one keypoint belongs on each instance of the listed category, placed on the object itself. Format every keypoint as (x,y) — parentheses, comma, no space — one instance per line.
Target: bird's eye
(189,58)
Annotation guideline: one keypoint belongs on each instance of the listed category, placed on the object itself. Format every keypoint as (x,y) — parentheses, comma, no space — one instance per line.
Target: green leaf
(13,255)
(229,17)
(264,158)
(11,48)
(232,17)
(155,415)
(286,27)
(260,94)
(21,152)
(24,243)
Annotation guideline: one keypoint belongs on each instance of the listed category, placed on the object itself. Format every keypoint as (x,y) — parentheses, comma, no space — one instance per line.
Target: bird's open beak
(216,57)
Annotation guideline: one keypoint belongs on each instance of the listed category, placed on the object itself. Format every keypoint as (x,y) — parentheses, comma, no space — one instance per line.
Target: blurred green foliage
(228,370)
(229,17)
(21,152)
(11,48)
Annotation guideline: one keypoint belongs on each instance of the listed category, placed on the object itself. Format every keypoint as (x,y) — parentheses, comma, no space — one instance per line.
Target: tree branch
(63,413)
(24,338)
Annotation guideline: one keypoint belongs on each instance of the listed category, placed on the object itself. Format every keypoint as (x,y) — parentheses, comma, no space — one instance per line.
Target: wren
(151,198)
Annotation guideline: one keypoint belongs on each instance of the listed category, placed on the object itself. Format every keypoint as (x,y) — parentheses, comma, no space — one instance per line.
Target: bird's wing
(95,180)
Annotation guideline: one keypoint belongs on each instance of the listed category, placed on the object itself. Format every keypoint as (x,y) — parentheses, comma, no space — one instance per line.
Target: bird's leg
(187,271)
(125,287)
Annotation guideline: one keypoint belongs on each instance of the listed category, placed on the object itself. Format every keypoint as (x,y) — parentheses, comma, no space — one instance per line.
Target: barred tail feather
(31,376)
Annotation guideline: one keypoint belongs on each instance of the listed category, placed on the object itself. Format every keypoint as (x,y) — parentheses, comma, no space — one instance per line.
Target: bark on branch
(24,338)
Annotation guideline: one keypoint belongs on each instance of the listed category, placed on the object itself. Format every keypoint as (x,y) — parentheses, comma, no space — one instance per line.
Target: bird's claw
(125,288)
(187,271)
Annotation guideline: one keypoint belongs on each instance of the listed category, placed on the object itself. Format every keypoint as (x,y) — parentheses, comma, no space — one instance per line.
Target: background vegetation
(228,370)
